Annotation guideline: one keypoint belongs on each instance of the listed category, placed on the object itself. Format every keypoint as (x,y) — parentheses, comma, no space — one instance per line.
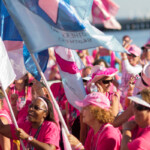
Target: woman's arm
(5,129)
(127,135)
(131,69)
(4,141)
(119,120)
(75,143)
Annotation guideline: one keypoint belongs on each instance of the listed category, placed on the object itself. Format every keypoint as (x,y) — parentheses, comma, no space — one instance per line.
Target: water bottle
(93,87)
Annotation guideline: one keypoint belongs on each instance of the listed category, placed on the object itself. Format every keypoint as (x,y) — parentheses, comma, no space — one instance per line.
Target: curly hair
(102,115)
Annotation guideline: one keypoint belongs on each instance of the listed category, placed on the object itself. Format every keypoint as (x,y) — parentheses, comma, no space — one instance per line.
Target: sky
(133,9)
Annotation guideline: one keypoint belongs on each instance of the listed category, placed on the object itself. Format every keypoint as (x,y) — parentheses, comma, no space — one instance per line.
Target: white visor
(138,99)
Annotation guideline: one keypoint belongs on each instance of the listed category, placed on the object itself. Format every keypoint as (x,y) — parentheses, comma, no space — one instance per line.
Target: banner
(50,23)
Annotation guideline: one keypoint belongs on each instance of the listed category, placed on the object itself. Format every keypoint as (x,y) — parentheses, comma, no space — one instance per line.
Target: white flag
(7,74)
(17,62)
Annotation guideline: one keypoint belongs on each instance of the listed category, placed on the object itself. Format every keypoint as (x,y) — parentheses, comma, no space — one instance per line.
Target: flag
(13,42)
(49,23)
(104,12)
(17,61)
(14,46)
(7,74)
(70,74)
(42,59)
(8,30)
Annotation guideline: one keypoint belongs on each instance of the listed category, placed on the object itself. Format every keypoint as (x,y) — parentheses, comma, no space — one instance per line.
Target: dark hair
(50,113)
(126,36)
(96,62)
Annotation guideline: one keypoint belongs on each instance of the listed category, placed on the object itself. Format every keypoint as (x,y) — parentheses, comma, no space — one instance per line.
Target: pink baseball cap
(133,49)
(95,98)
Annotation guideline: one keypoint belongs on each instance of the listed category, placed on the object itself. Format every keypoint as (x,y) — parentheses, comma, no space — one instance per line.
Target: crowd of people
(114,115)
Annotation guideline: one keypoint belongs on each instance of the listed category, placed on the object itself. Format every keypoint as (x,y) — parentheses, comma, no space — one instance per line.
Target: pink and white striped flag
(70,74)
(104,12)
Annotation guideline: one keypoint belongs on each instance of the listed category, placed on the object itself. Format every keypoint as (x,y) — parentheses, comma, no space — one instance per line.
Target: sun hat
(95,98)
(138,99)
(102,72)
(87,78)
(145,74)
(133,49)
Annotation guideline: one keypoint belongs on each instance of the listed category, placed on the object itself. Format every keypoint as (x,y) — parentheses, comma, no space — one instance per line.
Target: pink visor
(95,98)
(105,72)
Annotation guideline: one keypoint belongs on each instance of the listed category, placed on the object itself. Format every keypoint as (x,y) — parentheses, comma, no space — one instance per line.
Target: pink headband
(43,102)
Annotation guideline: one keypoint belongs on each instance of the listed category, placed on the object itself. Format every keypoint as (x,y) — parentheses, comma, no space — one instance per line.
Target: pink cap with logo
(95,98)
(133,49)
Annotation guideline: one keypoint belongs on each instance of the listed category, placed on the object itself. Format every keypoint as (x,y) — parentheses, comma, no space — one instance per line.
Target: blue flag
(8,29)
(42,59)
(49,23)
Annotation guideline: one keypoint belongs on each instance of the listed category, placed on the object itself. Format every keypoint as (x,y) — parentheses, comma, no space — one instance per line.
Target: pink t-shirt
(21,98)
(142,141)
(22,114)
(49,133)
(89,60)
(107,138)
(4,113)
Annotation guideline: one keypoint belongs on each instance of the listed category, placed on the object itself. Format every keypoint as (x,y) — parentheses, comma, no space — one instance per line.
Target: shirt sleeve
(132,69)
(52,135)
(111,139)
(138,144)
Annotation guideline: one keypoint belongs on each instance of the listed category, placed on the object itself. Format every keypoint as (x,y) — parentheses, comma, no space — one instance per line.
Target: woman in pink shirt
(103,79)
(141,110)
(97,115)
(130,68)
(20,93)
(40,131)
(5,143)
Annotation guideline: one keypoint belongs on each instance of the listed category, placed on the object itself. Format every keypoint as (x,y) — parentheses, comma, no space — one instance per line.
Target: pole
(51,94)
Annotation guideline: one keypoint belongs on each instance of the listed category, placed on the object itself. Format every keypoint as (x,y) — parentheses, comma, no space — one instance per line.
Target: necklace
(102,128)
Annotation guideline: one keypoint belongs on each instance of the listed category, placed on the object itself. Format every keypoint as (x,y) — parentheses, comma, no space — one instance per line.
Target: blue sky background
(133,9)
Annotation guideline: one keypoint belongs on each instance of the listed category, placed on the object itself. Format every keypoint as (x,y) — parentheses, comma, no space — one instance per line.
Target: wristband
(81,147)
(30,138)
(78,145)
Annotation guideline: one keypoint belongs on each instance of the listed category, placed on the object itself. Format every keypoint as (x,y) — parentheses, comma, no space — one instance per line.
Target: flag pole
(12,115)
(51,94)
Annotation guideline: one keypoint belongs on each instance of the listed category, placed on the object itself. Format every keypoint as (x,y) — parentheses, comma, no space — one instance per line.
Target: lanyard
(35,136)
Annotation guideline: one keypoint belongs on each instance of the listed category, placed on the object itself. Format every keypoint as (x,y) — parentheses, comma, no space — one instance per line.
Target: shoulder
(109,131)
(50,126)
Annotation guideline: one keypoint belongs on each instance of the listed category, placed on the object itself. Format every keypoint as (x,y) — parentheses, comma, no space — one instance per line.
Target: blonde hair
(102,115)
(146,95)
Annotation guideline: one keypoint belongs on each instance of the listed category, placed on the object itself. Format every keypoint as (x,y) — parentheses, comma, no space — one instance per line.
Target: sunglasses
(140,107)
(35,107)
(107,81)
(132,55)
